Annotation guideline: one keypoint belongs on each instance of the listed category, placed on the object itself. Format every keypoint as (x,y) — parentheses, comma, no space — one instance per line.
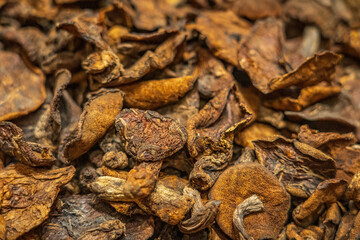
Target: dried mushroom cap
(240,182)
(12,143)
(80,217)
(98,115)
(329,191)
(298,166)
(149,136)
(22,88)
(255,9)
(27,194)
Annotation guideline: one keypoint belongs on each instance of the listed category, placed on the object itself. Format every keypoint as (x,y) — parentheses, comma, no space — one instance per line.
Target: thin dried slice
(265,65)
(80,217)
(338,113)
(306,97)
(153,37)
(240,182)
(98,115)
(48,127)
(202,215)
(149,136)
(30,39)
(298,166)
(317,68)
(12,143)
(152,94)
(336,145)
(324,140)
(163,55)
(223,31)
(27,194)
(261,53)
(85,26)
(331,219)
(22,88)
(254,132)
(329,191)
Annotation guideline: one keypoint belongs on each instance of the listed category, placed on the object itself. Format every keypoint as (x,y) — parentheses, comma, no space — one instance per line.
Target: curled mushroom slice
(12,143)
(98,115)
(85,26)
(248,206)
(22,88)
(329,191)
(202,215)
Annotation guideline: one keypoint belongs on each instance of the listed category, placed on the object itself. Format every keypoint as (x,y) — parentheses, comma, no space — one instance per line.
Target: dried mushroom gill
(180,119)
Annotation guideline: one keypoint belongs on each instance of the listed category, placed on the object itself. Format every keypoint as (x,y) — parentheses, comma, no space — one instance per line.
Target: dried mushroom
(27,195)
(238,183)
(22,87)
(95,119)
(298,166)
(180,119)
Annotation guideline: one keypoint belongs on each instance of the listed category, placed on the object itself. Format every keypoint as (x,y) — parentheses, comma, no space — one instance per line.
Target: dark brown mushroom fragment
(27,194)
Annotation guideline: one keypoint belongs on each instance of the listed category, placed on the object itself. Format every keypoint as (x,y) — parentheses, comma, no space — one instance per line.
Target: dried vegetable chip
(95,120)
(298,166)
(191,120)
(22,87)
(27,195)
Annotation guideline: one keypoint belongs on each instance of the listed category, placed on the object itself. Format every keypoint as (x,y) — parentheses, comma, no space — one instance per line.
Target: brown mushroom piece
(329,191)
(239,182)
(95,120)
(27,194)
